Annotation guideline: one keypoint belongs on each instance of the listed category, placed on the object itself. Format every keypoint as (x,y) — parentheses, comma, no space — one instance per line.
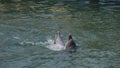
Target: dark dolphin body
(70,45)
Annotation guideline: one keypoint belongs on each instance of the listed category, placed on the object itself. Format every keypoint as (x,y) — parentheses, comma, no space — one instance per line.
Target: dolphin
(58,40)
(70,44)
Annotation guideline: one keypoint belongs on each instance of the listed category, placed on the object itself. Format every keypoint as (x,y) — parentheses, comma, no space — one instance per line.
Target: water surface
(25,28)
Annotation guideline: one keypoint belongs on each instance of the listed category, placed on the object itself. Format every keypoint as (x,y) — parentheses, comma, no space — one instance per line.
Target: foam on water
(55,47)
(49,43)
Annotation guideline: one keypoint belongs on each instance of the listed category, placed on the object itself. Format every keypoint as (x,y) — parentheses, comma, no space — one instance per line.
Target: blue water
(26,29)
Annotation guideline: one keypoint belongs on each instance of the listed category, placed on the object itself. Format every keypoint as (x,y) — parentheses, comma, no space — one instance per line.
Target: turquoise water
(26,27)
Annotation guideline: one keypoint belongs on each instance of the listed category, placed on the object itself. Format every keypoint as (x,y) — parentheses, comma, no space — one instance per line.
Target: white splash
(56,47)
(47,44)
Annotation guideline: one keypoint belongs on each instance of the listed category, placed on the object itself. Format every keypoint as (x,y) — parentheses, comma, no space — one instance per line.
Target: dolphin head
(69,36)
(58,40)
(58,32)
(70,43)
